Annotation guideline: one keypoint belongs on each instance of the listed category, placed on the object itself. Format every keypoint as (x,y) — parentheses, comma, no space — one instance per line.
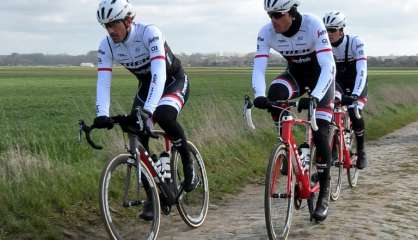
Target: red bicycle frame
(342,122)
(294,161)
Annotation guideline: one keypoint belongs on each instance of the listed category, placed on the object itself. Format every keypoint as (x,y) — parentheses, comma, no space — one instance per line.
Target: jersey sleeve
(325,59)
(361,65)
(154,41)
(104,76)
(260,64)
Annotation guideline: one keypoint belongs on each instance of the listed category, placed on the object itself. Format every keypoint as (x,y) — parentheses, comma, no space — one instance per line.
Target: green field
(48,180)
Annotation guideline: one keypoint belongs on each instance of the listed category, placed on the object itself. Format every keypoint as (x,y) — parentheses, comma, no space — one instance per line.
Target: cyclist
(351,61)
(163,85)
(302,40)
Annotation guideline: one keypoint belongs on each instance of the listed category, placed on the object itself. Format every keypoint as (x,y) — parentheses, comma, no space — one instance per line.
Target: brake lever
(86,129)
(246,112)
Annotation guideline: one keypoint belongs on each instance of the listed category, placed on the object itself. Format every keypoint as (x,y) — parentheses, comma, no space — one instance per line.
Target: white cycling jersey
(351,60)
(146,55)
(308,53)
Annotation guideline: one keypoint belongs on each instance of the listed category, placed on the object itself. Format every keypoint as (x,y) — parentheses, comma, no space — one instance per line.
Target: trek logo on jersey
(99,60)
(261,39)
(151,40)
(101,52)
(359,46)
(320,33)
(325,41)
(301,60)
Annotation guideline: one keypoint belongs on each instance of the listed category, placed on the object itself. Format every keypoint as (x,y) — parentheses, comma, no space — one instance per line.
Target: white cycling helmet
(334,19)
(280,5)
(112,10)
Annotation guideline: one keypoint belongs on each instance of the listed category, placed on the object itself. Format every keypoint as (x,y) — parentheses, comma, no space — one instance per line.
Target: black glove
(304,103)
(262,102)
(145,121)
(103,122)
(348,100)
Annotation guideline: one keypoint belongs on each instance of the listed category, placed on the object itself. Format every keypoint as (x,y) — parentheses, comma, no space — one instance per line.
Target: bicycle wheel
(122,197)
(192,206)
(278,204)
(352,172)
(336,168)
(314,181)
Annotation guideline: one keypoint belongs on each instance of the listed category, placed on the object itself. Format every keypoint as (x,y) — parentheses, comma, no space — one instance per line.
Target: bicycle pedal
(279,195)
(166,209)
(133,203)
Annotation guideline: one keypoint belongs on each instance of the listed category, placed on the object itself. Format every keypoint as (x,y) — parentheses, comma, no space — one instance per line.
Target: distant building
(87,64)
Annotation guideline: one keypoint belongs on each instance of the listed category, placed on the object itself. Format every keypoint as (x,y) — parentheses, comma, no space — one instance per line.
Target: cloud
(197,26)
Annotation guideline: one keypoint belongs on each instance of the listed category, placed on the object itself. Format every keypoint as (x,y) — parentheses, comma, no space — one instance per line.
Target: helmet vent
(108,14)
(274,2)
(103,12)
(113,1)
(285,3)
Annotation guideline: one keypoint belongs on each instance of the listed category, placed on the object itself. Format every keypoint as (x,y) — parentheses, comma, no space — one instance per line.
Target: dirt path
(384,206)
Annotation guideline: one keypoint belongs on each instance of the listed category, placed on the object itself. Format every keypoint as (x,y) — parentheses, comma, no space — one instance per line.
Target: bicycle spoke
(122,199)
(193,205)
(278,200)
(336,167)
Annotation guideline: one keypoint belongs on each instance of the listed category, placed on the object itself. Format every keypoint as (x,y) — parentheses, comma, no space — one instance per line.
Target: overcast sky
(70,26)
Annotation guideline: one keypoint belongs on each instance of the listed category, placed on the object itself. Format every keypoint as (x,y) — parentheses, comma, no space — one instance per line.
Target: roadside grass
(48,180)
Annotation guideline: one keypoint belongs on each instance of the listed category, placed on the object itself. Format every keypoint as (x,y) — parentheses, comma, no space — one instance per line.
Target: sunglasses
(276,15)
(112,24)
(332,30)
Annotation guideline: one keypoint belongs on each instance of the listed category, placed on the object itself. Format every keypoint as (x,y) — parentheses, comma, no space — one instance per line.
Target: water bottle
(305,154)
(165,165)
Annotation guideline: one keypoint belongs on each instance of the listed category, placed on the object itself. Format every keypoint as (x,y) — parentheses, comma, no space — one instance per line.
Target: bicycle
(122,193)
(291,173)
(344,154)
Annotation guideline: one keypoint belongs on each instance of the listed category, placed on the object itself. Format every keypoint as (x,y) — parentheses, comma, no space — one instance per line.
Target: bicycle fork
(126,202)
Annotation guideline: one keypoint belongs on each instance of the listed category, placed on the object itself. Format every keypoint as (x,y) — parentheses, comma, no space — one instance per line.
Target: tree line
(188,60)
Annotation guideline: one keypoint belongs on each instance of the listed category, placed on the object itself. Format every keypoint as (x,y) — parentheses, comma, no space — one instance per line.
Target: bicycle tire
(352,172)
(111,196)
(336,168)
(313,176)
(278,229)
(192,206)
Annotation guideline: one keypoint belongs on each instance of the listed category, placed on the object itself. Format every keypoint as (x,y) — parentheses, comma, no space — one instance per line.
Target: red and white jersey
(145,54)
(353,70)
(308,53)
